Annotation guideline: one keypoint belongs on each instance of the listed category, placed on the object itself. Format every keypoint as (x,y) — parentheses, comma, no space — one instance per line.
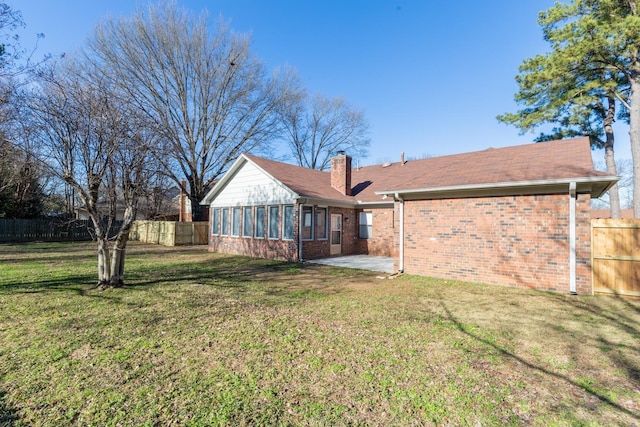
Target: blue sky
(430,76)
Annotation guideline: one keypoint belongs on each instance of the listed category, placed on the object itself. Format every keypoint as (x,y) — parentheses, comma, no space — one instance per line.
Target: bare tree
(624,168)
(206,94)
(97,144)
(317,128)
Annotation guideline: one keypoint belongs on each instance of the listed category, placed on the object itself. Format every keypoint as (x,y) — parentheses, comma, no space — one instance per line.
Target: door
(336,234)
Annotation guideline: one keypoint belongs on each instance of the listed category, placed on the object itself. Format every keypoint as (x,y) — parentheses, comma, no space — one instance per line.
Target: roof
(523,169)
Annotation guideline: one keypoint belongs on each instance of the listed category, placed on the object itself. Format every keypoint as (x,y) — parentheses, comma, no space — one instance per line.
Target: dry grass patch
(203,339)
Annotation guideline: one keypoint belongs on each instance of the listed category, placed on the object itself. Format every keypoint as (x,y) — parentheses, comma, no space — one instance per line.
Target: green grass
(204,339)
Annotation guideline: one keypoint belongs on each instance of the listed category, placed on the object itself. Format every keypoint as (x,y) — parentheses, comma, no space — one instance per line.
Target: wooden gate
(615,256)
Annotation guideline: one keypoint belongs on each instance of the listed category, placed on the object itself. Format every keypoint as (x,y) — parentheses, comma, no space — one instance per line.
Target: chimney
(402,158)
(183,202)
(341,173)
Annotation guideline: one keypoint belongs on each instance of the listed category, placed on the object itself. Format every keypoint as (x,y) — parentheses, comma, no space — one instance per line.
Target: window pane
(274,220)
(321,223)
(225,221)
(246,222)
(287,232)
(365,225)
(236,222)
(307,222)
(215,223)
(259,231)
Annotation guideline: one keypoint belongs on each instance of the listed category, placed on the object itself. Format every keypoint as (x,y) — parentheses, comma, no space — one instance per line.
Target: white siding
(251,186)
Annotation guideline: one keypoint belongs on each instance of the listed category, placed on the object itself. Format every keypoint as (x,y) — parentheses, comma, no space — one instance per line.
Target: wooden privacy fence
(171,233)
(615,256)
(32,230)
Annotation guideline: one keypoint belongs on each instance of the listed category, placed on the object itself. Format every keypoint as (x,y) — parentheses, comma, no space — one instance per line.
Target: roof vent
(386,165)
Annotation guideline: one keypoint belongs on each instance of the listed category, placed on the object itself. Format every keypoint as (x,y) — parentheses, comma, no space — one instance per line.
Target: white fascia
(585,182)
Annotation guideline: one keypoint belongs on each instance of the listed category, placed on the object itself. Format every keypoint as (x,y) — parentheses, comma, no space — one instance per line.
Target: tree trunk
(117,262)
(609,158)
(634,137)
(116,279)
(104,262)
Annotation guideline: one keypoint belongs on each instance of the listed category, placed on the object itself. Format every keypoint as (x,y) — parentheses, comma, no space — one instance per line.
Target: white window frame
(259,225)
(225,222)
(365,219)
(289,208)
(215,222)
(246,223)
(277,226)
(236,221)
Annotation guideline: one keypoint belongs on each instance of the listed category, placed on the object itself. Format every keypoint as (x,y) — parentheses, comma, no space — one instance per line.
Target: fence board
(169,233)
(30,230)
(615,256)
(49,230)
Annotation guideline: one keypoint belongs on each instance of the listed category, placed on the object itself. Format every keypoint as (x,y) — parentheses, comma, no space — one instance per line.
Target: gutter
(609,180)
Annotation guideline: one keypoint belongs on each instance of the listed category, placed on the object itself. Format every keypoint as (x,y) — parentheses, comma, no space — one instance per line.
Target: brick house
(514,216)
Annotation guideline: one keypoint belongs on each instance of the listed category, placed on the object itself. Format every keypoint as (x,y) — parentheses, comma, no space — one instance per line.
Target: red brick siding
(314,249)
(381,242)
(341,174)
(520,241)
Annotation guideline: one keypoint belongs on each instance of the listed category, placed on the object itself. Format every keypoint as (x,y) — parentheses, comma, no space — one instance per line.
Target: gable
(248,185)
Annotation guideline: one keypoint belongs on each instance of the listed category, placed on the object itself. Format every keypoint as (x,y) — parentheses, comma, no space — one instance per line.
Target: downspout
(300,204)
(572,238)
(401,237)
(300,232)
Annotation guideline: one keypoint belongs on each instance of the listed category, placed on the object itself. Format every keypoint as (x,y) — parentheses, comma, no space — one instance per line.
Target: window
(366,225)
(235,221)
(215,222)
(321,223)
(274,219)
(259,231)
(287,223)
(246,222)
(225,222)
(307,223)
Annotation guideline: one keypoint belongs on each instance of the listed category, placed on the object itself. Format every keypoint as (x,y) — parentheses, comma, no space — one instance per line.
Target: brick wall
(520,241)
(381,242)
(318,248)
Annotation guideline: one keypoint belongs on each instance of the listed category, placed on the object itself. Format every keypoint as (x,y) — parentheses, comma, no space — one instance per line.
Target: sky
(430,76)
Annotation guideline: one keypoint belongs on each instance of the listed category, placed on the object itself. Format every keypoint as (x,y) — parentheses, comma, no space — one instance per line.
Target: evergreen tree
(592,70)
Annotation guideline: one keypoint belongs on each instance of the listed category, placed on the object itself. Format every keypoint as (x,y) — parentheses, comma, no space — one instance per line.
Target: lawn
(205,339)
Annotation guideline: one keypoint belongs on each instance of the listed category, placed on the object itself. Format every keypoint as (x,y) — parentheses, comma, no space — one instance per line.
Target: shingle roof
(547,161)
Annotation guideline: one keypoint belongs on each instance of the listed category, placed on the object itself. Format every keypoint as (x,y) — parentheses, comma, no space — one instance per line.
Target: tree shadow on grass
(231,273)
(241,275)
(510,354)
(80,285)
(623,322)
(8,415)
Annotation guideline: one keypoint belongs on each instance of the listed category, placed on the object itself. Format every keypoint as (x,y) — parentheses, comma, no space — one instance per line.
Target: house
(514,216)
(159,204)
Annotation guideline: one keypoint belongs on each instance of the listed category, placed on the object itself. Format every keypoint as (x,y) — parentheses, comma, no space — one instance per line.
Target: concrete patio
(362,262)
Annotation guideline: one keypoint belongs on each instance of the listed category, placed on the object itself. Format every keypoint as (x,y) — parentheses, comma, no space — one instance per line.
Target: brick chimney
(341,173)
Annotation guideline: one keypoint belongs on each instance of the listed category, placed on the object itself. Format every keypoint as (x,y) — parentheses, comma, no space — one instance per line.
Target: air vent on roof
(386,165)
